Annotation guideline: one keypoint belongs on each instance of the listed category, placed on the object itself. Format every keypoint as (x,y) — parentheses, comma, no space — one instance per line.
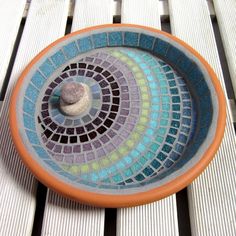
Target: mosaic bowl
(156,118)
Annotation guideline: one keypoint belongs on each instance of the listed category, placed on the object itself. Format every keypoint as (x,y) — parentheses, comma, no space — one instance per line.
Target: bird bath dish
(117,115)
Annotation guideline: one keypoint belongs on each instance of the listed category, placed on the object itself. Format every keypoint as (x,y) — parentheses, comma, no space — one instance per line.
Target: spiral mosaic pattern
(138,124)
(142,117)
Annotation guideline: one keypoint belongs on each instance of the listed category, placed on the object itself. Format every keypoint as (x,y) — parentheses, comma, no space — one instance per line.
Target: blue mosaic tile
(170,139)
(175,124)
(179,148)
(131,39)
(195,76)
(166,148)
(173,54)
(128,172)
(187,112)
(71,50)
(176,115)
(168,163)
(32,93)
(38,80)
(174,156)
(29,122)
(146,41)
(100,40)
(58,58)
(155,164)
(139,177)
(28,107)
(160,47)
(161,156)
(186,121)
(202,89)
(41,152)
(47,68)
(184,64)
(182,138)
(115,38)
(176,99)
(176,107)
(65,174)
(148,171)
(172,83)
(32,136)
(85,44)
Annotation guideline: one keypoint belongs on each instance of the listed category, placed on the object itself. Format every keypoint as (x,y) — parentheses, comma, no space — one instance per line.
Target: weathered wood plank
(212,195)
(91,13)
(141,12)
(158,218)
(10,18)
(226,17)
(45,22)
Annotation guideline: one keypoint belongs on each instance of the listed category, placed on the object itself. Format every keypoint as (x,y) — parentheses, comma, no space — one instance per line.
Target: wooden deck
(206,208)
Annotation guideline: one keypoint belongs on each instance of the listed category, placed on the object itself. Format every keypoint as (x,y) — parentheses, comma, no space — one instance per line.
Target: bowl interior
(152,115)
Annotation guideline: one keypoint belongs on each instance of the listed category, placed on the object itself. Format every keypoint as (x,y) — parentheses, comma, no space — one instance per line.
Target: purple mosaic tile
(79,158)
(97,144)
(100,153)
(67,149)
(77,149)
(58,157)
(111,133)
(50,145)
(90,156)
(104,139)
(117,141)
(57,148)
(87,147)
(69,159)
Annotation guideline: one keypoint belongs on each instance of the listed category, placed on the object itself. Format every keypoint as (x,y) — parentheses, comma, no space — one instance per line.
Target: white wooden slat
(66,217)
(226,17)
(45,22)
(212,195)
(158,218)
(91,13)
(10,18)
(59,216)
(141,12)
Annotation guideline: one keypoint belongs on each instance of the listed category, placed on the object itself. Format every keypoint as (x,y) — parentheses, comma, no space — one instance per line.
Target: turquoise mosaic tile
(160,47)
(146,41)
(29,122)
(71,50)
(58,58)
(47,68)
(115,38)
(100,40)
(85,44)
(38,80)
(131,39)
(32,136)
(32,93)
(28,107)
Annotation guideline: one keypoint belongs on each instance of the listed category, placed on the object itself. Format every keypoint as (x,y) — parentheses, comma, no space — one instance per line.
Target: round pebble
(72,92)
